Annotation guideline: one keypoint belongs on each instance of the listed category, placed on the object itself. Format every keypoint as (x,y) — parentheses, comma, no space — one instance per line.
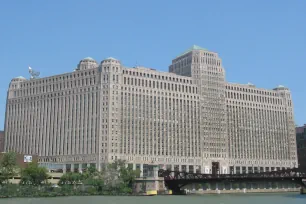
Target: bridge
(175,180)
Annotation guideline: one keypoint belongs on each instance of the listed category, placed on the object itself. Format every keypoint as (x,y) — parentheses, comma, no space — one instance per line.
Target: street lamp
(144,184)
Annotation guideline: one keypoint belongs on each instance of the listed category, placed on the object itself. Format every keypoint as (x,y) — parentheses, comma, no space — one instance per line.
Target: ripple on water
(288,198)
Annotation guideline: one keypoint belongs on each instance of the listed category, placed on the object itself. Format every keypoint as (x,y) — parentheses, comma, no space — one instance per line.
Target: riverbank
(28,191)
(19,191)
(242,191)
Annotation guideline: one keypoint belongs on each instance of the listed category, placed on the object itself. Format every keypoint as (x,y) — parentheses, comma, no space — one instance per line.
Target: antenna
(34,74)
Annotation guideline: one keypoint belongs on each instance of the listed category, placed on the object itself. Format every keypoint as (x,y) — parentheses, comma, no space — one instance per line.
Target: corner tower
(289,144)
(87,63)
(205,68)
(110,112)
(13,92)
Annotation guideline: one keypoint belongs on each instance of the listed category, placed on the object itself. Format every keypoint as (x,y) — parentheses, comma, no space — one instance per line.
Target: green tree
(89,172)
(198,186)
(111,176)
(8,167)
(90,177)
(274,185)
(95,181)
(243,185)
(114,178)
(126,173)
(235,185)
(117,165)
(118,175)
(70,178)
(92,170)
(33,175)
(206,186)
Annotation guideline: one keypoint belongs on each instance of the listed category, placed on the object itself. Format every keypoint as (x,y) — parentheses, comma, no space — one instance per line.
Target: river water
(289,198)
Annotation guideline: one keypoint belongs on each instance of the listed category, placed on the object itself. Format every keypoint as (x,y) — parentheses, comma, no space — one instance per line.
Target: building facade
(301,146)
(260,127)
(187,119)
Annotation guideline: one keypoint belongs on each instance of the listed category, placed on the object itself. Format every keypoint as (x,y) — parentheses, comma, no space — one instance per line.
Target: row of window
(160,85)
(55,79)
(249,90)
(55,87)
(250,105)
(254,98)
(154,76)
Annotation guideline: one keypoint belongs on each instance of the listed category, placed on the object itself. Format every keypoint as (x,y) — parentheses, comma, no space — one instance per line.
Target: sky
(259,41)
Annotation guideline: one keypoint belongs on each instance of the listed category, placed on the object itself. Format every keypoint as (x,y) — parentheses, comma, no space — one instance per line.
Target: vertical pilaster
(134,166)
(80,168)
(141,170)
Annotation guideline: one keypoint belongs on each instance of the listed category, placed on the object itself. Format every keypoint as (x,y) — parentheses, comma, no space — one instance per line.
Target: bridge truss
(175,180)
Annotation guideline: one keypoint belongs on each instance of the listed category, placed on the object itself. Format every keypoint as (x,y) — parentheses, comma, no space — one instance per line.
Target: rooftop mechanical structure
(34,74)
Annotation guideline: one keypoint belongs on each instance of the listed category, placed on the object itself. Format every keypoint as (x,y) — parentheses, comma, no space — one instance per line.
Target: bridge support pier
(303,190)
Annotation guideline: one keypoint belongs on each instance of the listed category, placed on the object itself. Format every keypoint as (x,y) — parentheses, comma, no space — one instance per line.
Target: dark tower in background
(301,147)
(1,141)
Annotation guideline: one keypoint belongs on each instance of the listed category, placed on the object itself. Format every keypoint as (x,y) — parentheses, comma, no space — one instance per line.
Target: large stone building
(187,119)
(301,146)
(261,130)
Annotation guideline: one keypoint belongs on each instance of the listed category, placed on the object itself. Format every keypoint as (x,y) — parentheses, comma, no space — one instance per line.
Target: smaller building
(1,141)
(301,146)
(23,159)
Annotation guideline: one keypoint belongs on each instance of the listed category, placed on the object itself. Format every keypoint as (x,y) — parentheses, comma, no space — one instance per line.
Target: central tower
(205,68)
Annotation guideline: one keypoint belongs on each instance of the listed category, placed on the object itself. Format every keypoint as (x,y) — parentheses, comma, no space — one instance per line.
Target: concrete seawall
(201,192)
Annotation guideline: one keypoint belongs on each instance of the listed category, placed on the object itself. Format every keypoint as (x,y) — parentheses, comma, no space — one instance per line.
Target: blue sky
(260,41)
